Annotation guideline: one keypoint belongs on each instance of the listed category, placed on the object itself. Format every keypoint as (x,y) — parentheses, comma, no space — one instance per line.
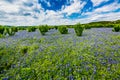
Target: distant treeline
(87,25)
(103,24)
(11,30)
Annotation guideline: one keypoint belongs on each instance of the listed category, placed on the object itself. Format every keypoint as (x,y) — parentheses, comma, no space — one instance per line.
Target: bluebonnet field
(33,55)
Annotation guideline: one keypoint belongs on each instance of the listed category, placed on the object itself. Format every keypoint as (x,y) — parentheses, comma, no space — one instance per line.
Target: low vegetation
(33,56)
(63,29)
(117,28)
(79,29)
(43,29)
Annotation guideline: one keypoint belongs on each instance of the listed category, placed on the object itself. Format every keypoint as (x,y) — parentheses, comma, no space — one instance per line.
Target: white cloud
(109,7)
(47,17)
(74,7)
(8,7)
(98,2)
(98,17)
(108,15)
(105,17)
(12,13)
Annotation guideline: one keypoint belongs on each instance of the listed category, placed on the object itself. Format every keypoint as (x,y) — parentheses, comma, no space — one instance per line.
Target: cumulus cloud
(98,2)
(8,7)
(109,7)
(75,7)
(30,12)
(16,12)
(104,13)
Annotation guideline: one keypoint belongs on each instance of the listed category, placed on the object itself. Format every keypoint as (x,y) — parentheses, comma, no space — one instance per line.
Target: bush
(14,29)
(10,31)
(56,27)
(31,29)
(21,28)
(5,31)
(63,29)
(87,26)
(1,35)
(43,29)
(2,30)
(116,28)
(79,29)
(50,27)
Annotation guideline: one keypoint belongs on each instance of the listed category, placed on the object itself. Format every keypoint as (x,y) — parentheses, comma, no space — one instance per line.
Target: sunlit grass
(94,55)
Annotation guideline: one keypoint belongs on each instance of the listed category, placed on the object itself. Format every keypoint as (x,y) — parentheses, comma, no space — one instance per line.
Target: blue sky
(57,12)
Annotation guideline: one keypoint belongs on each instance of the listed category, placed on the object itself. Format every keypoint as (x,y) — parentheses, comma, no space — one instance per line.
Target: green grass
(73,58)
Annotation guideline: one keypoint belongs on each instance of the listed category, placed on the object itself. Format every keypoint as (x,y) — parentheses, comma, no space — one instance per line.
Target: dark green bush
(10,31)
(2,30)
(56,27)
(31,29)
(14,29)
(116,28)
(21,28)
(78,29)
(5,31)
(43,29)
(87,26)
(50,27)
(63,29)
(1,35)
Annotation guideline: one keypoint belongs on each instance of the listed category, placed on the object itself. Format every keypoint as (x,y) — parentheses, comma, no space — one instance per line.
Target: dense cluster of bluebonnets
(94,57)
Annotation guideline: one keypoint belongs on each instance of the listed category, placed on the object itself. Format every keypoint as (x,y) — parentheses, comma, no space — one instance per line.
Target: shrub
(1,35)
(63,29)
(5,31)
(10,31)
(43,29)
(31,29)
(56,27)
(87,26)
(21,28)
(14,29)
(116,28)
(51,27)
(79,29)
(2,30)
